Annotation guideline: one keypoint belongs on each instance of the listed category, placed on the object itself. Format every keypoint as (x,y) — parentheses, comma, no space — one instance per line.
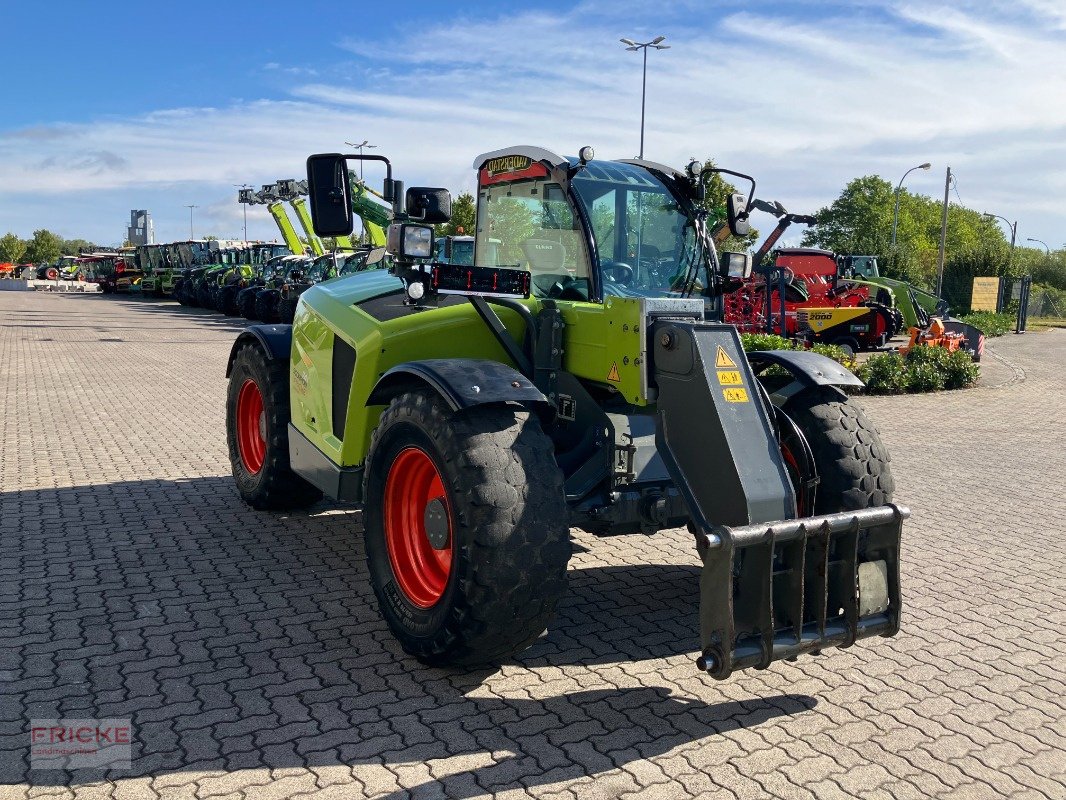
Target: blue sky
(160,105)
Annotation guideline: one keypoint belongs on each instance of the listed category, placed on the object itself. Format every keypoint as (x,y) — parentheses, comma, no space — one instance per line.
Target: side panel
(325,314)
(604,344)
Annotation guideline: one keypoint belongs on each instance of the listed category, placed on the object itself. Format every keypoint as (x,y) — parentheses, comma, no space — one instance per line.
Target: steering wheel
(567,288)
(617,272)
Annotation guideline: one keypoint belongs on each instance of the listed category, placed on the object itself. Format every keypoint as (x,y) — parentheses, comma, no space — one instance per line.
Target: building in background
(140,230)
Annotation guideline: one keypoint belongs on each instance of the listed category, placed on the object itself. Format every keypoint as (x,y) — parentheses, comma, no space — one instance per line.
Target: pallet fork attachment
(771,592)
(773,586)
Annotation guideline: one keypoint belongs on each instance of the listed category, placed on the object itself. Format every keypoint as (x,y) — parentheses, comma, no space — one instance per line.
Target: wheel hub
(436,522)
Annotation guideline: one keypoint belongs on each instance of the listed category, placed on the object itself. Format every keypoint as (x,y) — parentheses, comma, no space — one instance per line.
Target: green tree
(45,246)
(74,247)
(12,248)
(859,221)
(464,214)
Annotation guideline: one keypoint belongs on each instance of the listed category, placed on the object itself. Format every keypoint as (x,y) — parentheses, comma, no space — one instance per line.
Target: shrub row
(769,341)
(990,323)
(924,369)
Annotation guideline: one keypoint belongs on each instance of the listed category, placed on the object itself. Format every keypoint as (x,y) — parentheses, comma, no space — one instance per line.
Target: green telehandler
(565,379)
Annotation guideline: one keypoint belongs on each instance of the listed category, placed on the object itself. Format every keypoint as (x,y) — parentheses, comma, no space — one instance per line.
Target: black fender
(808,370)
(276,341)
(462,383)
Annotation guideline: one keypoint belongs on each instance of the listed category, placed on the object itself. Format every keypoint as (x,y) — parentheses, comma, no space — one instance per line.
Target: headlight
(410,241)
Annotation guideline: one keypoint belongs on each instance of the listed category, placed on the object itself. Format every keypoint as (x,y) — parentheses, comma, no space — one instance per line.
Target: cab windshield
(647,244)
(530,224)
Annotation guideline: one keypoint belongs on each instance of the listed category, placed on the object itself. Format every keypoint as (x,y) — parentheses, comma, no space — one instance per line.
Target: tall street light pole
(245,205)
(943,236)
(191,236)
(1047,249)
(895,213)
(1013,235)
(631,45)
(360,147)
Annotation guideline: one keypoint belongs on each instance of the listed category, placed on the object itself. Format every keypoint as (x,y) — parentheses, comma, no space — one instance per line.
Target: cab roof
(529,151)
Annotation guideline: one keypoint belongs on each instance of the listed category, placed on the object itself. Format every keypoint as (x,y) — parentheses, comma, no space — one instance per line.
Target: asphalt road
(246,652)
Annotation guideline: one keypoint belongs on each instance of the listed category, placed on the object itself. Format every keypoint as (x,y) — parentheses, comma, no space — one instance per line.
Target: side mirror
(737,214)
(430,206)
(448,248)
(736,265)
(330,194)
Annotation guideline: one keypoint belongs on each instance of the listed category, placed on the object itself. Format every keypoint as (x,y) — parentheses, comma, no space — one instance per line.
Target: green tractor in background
(324,268)
(268,259)
(570,376)
(153,258)
(916,305)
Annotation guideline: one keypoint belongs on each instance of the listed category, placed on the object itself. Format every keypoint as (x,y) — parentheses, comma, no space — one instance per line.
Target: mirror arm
(724,171)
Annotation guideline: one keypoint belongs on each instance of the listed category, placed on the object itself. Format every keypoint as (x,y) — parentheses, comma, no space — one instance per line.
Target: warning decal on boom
(722,359)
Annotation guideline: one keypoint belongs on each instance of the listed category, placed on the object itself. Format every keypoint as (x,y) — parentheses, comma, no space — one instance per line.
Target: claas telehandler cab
(567,378)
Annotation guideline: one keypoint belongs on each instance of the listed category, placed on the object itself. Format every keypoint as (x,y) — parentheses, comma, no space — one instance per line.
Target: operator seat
(547,263)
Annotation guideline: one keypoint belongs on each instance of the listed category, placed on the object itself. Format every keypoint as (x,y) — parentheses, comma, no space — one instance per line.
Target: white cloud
(803,101)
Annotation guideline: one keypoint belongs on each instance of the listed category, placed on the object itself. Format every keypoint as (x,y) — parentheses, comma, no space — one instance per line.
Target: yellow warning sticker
(730,377)
(736,395)
(722,359)
(613,375)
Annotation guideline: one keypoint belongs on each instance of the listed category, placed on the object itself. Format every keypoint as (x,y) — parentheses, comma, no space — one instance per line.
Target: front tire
(228,300)
(246,304)
(266,305)
(257,419)
(852,463)
(466,525)
(287,309)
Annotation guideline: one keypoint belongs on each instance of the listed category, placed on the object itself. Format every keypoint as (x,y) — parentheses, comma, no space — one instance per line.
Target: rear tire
(485,483)
(203,296)
(849,345)
(852,462)
(257,419)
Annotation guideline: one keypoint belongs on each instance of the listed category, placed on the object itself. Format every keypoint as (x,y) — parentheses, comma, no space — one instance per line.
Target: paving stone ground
(246,649)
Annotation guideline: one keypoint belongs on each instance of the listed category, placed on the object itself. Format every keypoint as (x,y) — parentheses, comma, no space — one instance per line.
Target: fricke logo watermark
(80,743)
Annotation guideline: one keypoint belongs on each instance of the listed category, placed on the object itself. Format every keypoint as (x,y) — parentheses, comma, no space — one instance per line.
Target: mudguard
(461,383)
(276,341)
(806,367)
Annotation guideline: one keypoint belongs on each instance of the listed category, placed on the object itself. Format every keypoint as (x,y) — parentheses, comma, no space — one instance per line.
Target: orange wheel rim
(418,531)
(251,425)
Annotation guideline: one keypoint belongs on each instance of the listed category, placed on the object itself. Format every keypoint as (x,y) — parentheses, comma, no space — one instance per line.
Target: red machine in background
(801,296)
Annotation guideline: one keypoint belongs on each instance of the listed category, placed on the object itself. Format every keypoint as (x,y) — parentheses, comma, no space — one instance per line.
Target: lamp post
(191,236)
(359,147)
(1019,326)
(631,45)
(1013,235)
(245,205)
(1047,249)
(895,213)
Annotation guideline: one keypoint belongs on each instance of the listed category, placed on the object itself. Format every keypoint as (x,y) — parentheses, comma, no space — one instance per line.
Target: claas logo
(498,166)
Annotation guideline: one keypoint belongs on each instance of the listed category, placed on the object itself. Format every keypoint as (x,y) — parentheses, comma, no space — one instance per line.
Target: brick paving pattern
(247,651)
